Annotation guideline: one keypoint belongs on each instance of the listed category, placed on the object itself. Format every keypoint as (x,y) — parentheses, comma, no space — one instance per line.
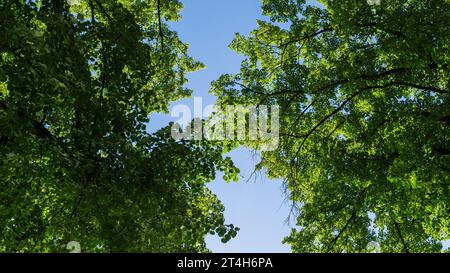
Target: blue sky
(256,206)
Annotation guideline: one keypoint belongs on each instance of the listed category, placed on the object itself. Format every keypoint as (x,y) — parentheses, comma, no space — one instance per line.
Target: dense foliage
(365,119)
(77,84)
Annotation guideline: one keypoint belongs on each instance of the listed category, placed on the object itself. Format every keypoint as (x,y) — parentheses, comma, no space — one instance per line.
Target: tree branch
(405,247)
(307,36)
(351,219)
(160,24)
(103,10)
(428,88)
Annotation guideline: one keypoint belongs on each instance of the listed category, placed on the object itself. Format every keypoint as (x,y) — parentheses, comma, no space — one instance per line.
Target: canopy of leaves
(77,84)
(365,119)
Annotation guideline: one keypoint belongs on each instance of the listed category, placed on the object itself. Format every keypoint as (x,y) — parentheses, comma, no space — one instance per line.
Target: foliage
(76,162)
(365,117)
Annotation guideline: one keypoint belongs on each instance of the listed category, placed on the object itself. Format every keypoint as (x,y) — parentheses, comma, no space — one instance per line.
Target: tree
(78,83)
(364,97)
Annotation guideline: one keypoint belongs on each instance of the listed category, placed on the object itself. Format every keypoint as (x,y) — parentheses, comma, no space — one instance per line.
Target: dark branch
(350,220)
(405,247)
(103,10)
(307,36)
(160,24)
(428,88)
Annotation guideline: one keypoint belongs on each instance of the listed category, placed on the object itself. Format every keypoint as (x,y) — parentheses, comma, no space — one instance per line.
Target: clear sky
(257,207)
